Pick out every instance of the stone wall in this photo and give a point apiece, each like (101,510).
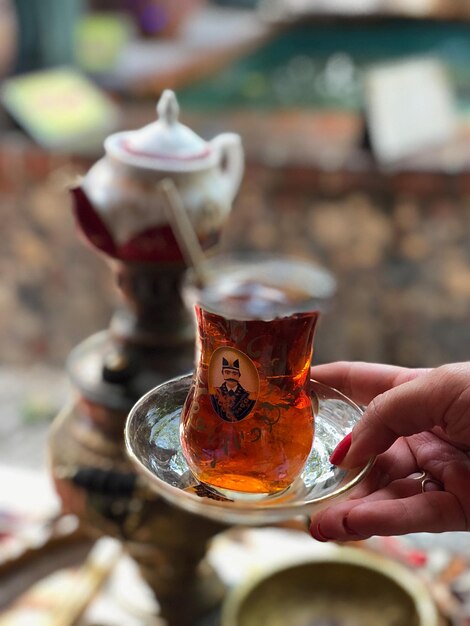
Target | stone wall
(399,246)
(53,291)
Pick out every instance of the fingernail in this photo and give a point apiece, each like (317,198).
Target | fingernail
(317,534)
(341,450)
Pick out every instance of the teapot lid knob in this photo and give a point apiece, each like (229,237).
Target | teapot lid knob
(165,145)
(168,108)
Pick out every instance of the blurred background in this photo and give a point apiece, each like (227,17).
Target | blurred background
(339,169)
(290,80)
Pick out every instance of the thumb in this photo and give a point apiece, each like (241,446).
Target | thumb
(440,397)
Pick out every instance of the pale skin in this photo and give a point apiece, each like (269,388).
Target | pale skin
(416,420)
(231,377)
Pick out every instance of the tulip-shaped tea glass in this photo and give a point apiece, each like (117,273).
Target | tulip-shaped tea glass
(247,425)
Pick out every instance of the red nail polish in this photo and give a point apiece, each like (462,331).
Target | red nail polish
(341,450)
(318,535)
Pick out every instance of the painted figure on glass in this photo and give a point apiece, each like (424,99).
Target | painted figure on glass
(230,400)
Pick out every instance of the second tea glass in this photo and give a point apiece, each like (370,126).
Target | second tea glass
(247,426)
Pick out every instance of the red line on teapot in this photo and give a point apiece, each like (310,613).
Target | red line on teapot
(201,155)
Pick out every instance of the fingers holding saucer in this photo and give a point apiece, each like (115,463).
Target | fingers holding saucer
(433,511)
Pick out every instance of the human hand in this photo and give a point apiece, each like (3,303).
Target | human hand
(416,421)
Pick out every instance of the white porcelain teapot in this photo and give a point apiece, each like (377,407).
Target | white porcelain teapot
(119,207)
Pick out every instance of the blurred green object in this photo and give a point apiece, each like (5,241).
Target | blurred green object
(47,32)
(38,408)
(100,39)
(321,65)
(61,109)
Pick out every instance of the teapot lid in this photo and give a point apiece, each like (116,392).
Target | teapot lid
(165,144)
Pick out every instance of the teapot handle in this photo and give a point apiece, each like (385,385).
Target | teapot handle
(232,160)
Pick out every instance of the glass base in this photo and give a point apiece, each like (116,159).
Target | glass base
(153,445)
(230,494)
(245,496)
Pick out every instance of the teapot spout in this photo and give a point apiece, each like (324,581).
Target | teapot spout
(90,224)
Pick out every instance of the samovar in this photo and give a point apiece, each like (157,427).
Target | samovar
(120,212)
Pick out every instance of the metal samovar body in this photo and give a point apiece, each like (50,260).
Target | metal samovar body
(150,340)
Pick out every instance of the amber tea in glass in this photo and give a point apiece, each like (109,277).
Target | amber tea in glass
(247,425)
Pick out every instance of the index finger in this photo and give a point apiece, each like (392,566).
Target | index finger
(439,398)
(363,381)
